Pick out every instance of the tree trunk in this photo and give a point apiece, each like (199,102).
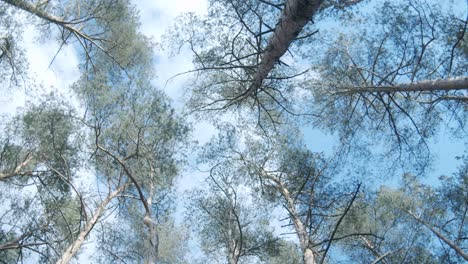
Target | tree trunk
(32,9)
(309,256)
(299,227)
(441,236)
(153,240)
(17,171)
(232,259)
(459,83)
(295,15)
(71,251)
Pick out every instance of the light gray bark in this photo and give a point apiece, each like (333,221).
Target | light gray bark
(36,11)
(71,251)
(441,236)
(17,170)
(299,227)
(153,240)
(458,83)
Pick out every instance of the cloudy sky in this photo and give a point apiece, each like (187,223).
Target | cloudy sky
(156,19)
(44,77)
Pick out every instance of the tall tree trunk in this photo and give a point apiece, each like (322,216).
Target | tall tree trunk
(309,256)
(151,256)
(232,259)
(299,227)
(459,83)
(233,249)
(295,15)
(153,240)
(71,251)
(450,243)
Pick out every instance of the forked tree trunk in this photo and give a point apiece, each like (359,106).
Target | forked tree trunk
(71,251)
(299,227)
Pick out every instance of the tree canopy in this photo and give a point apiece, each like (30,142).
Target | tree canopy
(98,171)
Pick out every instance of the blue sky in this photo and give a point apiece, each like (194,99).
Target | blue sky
(156,18)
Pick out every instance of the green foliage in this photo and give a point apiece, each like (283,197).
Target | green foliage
(129,135)
(285,252)
(416,41)
(226,219)
(12,58)
(386,226)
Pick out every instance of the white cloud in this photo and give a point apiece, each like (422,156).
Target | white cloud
(64,68)
(156,16)
(40,77)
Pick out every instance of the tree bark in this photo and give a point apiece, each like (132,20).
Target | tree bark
(71,251)
(309,256)
(458,83)
(153,240)
(299,227)
(32,9)
(295,15)
(17,171)
(441,236)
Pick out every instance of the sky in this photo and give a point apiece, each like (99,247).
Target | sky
(156,19)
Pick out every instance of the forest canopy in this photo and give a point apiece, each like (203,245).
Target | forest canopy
(110,169)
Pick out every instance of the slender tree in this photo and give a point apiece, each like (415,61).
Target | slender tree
(227,222)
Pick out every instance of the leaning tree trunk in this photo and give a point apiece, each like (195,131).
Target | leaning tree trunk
(71,251)
(34,10)
(17,170)
(458,83)
(295,15)
(439,235)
